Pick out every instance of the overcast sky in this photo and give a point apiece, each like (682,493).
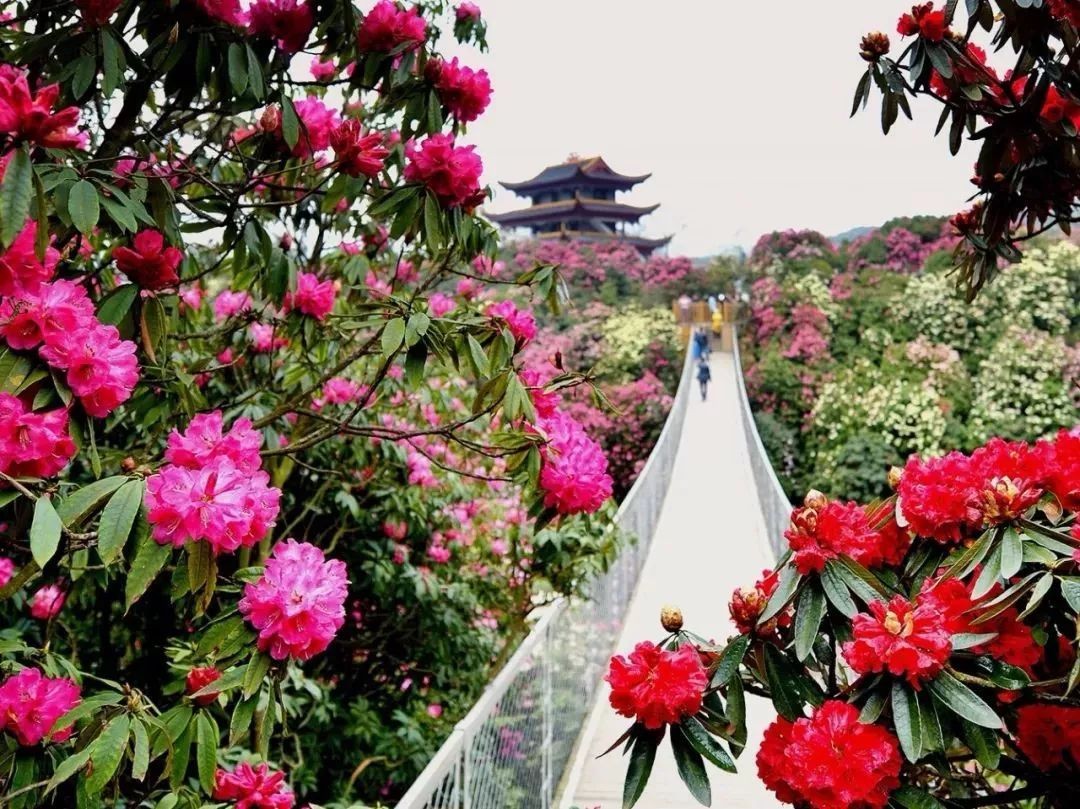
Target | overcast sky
(739,108)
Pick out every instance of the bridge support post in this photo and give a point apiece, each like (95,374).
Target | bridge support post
(547,723)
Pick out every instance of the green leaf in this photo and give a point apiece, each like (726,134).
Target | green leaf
(79,504)
(982,742)
(962,701)
(837,592)
(808,615)
(140,759)
(785,691)
(785,591)
(705,744)
(730,660)
(15,194)
(933,735)
(200,559)
(150,558)
(290,123)
(181,755)
(910,797)
(206,742)
(691,767)
(67,768)
(85,70)
(433,229)
(1070,591)
(106,752)
(642,756)
(906,719)
(241,718)
(256,672)
(45,531)
(1012,554)
(393,335)
(415,360)
(989,575)
(117,304)
(238,70)
(117,518)
(83,206)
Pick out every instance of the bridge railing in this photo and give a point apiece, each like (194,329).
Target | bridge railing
(510,750)
(774,502)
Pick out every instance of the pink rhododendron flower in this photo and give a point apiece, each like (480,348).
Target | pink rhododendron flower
(440,304)
(149,262)
(339,390)
(28,116)
(229,304)
(7,570)
(47,602)
(30,704)
(20,269)
(101,368)
(312,296)
(323,69)
(264,338)
(573,473)
(32,444)
(287,22)
(467,11)
(462,90)
(419,469)
(521,324)
(434,710)
(257,787)
(298,605)
(225,11)
(387,26)
(450,172)
(317,121)
(191,296)
(358,154)
(204,442)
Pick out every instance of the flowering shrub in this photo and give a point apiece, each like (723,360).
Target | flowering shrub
(275,492)
(921,651)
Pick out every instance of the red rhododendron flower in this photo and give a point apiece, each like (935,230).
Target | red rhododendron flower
(923,21)
(257,787)
(470,11)
(387,26)
(1049,735)
(149,262)
(904,639)
(820,533)
(1057,108)
(573,471)
(97,12)
(358,154)
(655,686)
(747,604)
(225,11)
(830,760)
(287,22)
(20,270)
(1066,10)
(462,90)
(940,498)
(311,296)
(298,605)
(29,116)
(1012,477)
(1061,462)
(30,704)
(35,445)
(451,172)
(964,74)
(197,679)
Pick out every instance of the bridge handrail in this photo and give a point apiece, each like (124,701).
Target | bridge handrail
(774,502)
(513,745)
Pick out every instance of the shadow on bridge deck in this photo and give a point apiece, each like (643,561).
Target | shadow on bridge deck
(711,538)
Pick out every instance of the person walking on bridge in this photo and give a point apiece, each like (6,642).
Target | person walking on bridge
(704,376)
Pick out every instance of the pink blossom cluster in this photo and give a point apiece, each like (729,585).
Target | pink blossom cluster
(317,122)
(521,324)
(339,390)
(29,116)
(450,172)
(34,445)
(574,472)
(230,304)
(419,470)
(47,602)
(265,339)
(765,294)
(462,90)
(7,570)
(212,487)
(467,11)
(253,787)
(297,606)
(440,305)
(782,243)
(359,153)
(388,26)
(808,341)
(590,263)
(312,296)
(58,318)
(287,22)
(30,704)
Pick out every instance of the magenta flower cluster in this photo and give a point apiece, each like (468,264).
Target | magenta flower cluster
(30,704)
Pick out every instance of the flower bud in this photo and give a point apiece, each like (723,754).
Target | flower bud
(815,500)
(873,46)
(197,679)
(270,121)
(671,618)
(895,473)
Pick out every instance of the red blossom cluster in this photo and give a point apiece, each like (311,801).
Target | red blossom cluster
(748,603)
(462,90)
(924,21)
(149,262)
(825,529)
(657,686)
(450,172)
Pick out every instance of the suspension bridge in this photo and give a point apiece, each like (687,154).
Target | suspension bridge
(708,514)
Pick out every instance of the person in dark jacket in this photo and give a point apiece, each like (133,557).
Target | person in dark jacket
(704,376)
(701,343)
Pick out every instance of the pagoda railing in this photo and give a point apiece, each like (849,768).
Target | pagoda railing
(773,500)
(510,750)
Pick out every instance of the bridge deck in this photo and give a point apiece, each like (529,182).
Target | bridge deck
(710,539)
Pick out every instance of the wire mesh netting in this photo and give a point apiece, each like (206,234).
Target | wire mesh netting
(512,747)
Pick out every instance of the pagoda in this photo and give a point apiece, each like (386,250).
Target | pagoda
(576,200)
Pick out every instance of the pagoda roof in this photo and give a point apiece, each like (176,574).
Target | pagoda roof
(592,169)
(640,242)
(548,211)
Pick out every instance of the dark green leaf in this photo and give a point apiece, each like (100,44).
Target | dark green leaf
(910,797)
(691,767)
(1012,554)
(67,768)
(206,742)
(642,756)
(705,744)
(150,557)
(290,123)
(907,720)
(962,701)
(117,518)
(117,304)
(15,193)
(393,335)
(256,672)
(238,71)
(982,742)
(140,759)
(837,592)
(808,615)
(45,531)
(785,591)
(783,687)
(106,752)
(730,659)
(83,206)
(79,504)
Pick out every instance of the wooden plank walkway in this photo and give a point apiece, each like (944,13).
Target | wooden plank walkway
(710,540)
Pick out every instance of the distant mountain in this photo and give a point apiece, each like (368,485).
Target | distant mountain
(850,235)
